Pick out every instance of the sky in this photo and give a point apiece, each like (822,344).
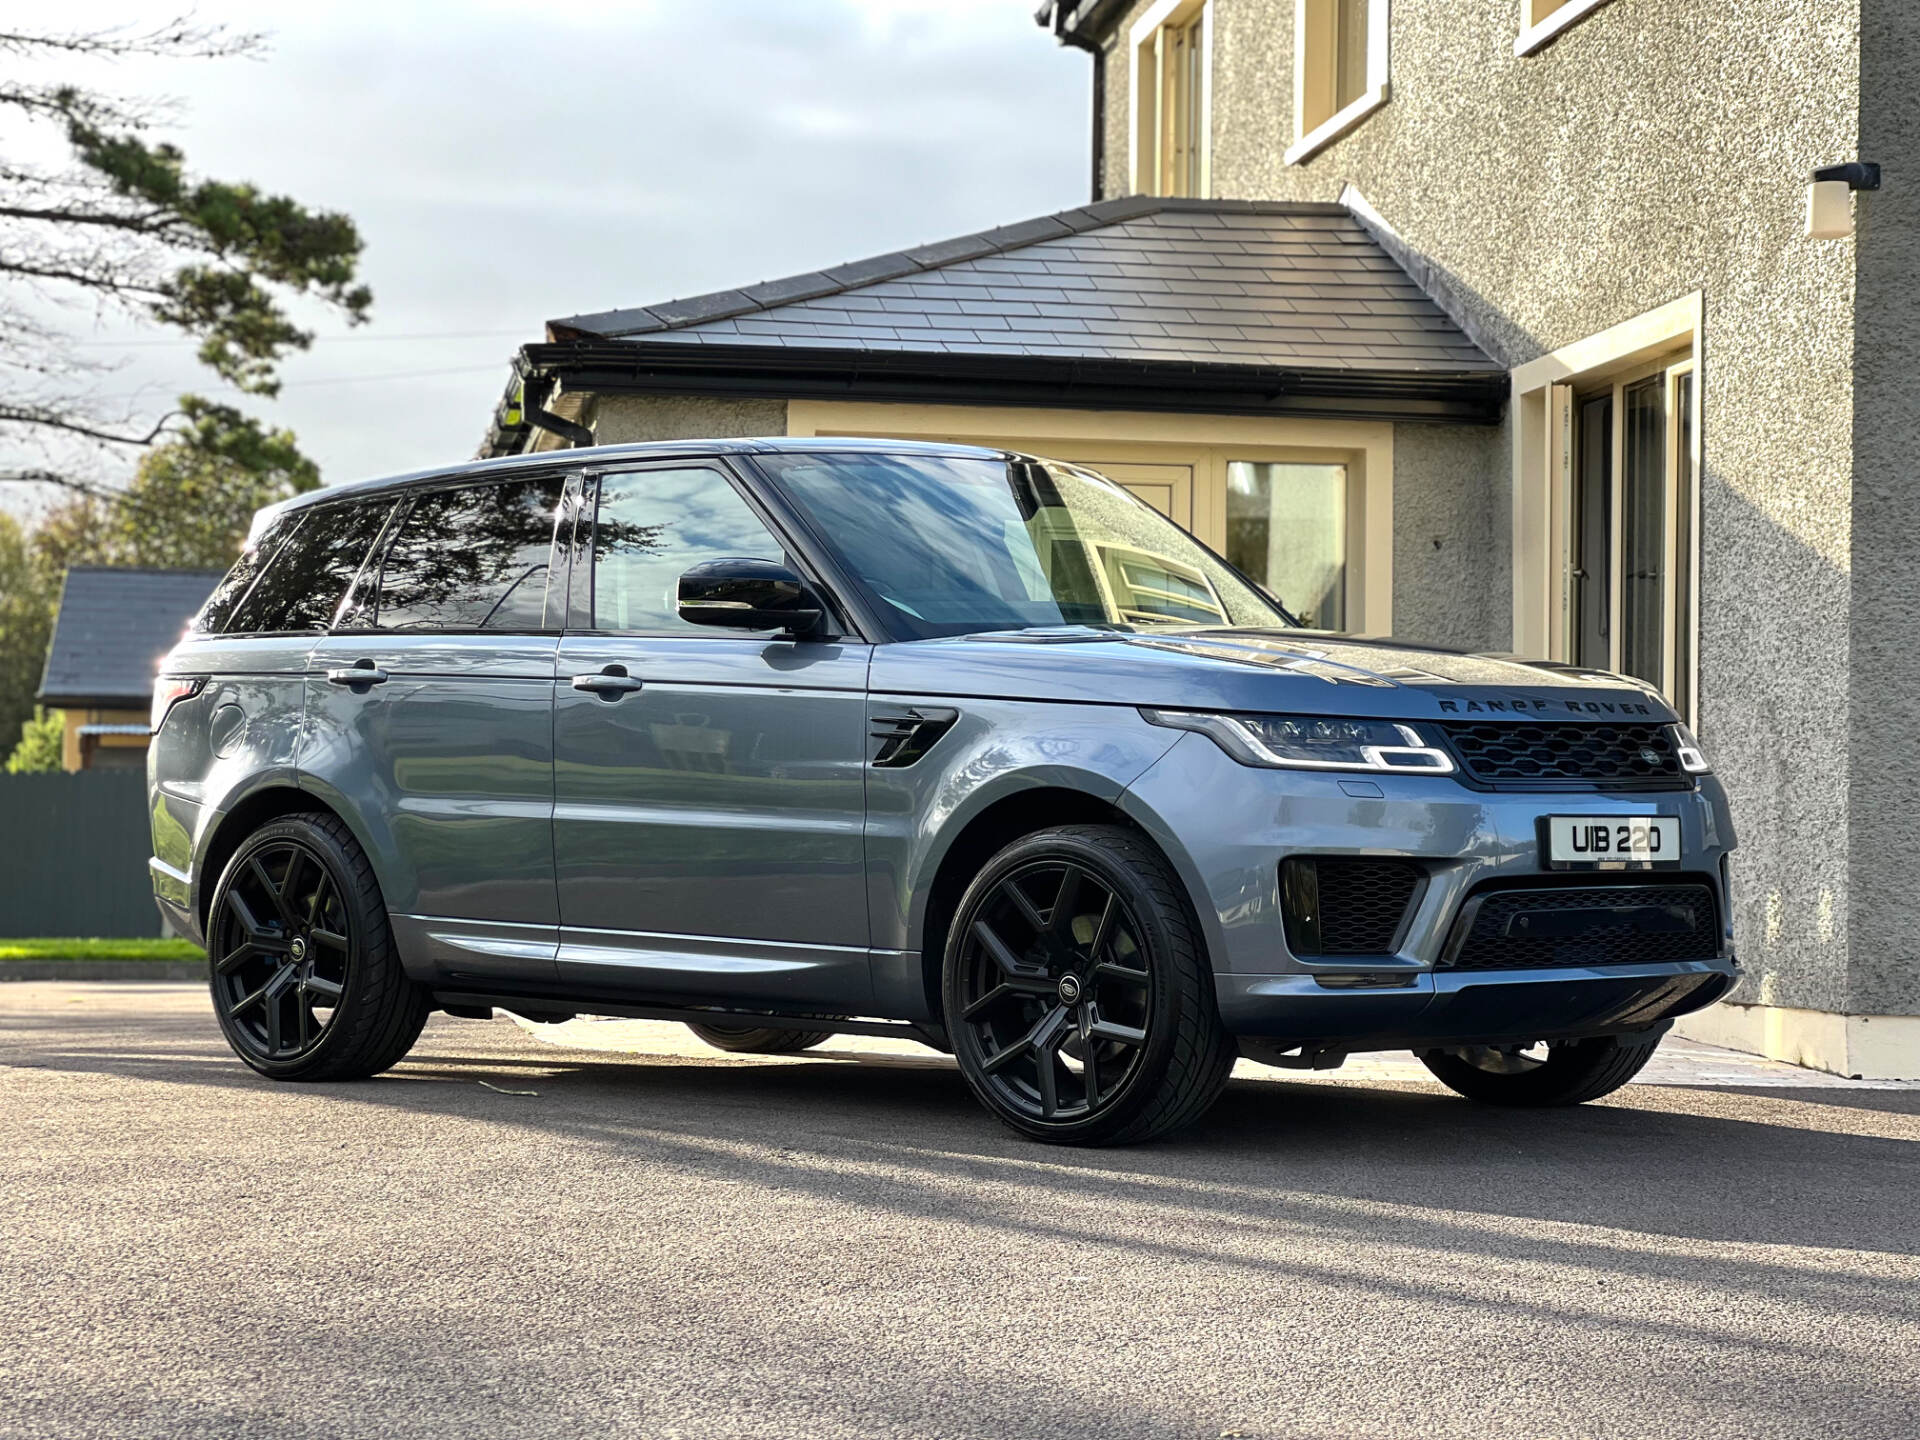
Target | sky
(511,163)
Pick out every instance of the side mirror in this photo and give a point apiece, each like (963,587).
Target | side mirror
(749,595)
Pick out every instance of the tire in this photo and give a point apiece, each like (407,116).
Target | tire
(1573,1071)
(306,982)
(746,1040)
(1096,1025)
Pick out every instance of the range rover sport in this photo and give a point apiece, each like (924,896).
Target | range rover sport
(787,738)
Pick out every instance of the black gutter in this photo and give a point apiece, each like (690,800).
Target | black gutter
(1070,382)
(1070,27)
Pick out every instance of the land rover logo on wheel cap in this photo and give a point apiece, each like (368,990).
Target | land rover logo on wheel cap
(298,949)
(1069,989)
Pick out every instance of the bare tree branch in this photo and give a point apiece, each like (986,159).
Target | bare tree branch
(41,415)
(178,38)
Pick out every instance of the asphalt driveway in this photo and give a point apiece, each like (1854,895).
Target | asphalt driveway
(674,1243)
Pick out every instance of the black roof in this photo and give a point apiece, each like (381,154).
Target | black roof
(113,628)
(1280,283)
(1230,305)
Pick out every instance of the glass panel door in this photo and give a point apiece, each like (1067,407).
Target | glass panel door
(1287,529)
(1592,539)
(1681,690)
(1643,533)
(1632,529)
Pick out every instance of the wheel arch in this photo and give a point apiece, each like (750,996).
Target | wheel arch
(990,829)
(269,803)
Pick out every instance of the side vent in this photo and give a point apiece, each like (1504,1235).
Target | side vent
(906,735)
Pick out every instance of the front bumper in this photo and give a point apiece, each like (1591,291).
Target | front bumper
(1490,1007)
(1227,828)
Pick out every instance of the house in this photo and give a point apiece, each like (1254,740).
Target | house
(1574,328)
(113,628)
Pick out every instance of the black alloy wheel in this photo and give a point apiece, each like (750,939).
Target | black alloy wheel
(1077,997)
(306,983)
(1559,1072)
(285,944)
(759,1039)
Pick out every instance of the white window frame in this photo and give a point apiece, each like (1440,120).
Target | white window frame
(1141,37)
(1663,341)
(1535,33)
(1307,15)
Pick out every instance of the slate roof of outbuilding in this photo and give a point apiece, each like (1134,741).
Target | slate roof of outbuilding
(113,628)
(1244,283)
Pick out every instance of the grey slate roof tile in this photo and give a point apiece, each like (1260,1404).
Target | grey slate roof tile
(1245,282)
(113,628)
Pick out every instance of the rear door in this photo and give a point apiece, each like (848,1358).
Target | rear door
(430,711)
(709,783)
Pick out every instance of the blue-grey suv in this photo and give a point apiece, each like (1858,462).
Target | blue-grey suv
(787,738)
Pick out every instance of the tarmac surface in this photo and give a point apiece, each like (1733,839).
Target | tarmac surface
(605,1229)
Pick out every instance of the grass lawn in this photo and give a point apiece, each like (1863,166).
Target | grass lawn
(56,948)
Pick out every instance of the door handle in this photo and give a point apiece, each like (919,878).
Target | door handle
(362,672)
(609,684)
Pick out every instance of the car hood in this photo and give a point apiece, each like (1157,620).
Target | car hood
(1275,671)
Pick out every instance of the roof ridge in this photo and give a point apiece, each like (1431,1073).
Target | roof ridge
(935,255)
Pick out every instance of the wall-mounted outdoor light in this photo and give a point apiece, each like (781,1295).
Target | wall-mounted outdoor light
(1830,197)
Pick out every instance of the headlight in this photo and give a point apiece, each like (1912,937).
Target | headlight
(1313,742)
(1693,759)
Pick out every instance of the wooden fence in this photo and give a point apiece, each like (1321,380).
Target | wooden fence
(73,855)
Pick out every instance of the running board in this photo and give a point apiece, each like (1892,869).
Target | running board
(544,1007)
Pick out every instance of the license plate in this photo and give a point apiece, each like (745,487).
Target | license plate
(1624,841)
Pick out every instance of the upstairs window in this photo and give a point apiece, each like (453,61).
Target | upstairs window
(1171,99)
(1541,20)
(1340,70)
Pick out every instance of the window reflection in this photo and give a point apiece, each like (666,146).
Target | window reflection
(1287,528)
(473,558)
(651,527)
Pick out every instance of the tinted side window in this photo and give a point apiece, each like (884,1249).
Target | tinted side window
(304,582)
(216,615)
(653,524)
(476,558)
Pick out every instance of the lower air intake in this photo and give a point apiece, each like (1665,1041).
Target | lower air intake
(1343,905)
(1592,925)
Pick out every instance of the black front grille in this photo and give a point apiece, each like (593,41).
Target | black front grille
(1502,753)
(1343,905)
(1585,925)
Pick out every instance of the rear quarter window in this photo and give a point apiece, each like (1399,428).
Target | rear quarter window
(216,616)
(304,581)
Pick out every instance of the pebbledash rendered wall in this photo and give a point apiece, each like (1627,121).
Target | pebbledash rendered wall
(1883,922)
(1649,152)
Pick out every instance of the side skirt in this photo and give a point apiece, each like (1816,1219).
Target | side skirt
(545,1008)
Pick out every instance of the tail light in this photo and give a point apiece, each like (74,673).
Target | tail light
(169,691)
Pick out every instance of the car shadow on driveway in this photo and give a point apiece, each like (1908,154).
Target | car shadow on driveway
(1799,1166)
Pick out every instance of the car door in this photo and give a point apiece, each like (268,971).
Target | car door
(430,713)
(709,784)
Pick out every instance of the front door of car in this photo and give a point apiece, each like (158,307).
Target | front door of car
(709,792)
(429,713)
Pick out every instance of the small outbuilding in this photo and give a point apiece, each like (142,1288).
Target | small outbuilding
(113,628)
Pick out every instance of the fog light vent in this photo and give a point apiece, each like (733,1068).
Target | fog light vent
(1346,905)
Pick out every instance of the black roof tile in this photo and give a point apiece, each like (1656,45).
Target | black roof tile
(1268,283)
(113,628)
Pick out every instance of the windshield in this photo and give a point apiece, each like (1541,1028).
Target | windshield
(951,545)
